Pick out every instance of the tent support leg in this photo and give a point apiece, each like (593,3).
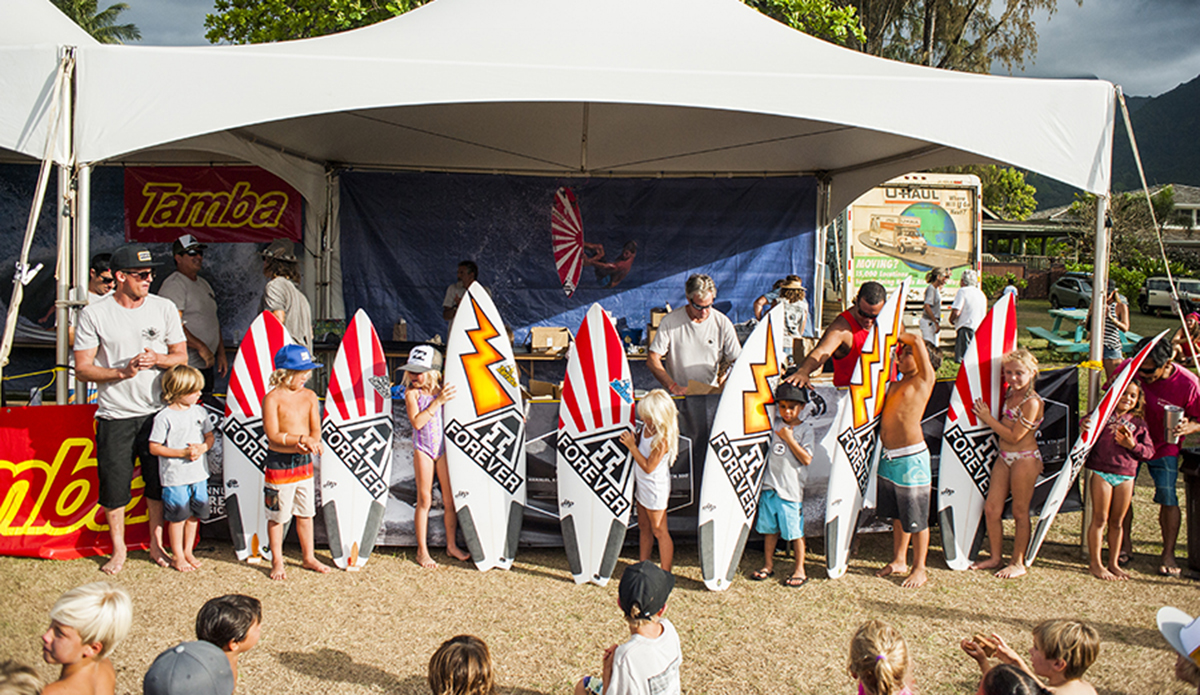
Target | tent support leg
(1096,349)
(83,232)
(62,279)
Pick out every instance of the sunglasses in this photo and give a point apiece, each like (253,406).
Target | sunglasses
(142,275)
(865,315)
(194,252)
(106,280)
(700,307)
(1148,370)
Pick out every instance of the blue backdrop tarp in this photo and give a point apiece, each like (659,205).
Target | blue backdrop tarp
(403,235)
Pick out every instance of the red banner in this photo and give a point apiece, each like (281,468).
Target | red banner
(48,487)
(213,204)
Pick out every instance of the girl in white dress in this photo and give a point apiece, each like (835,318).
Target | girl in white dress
(654,451)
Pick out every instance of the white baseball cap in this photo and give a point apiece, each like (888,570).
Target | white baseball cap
(423,358)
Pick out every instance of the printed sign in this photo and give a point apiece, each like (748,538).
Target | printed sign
(213,204)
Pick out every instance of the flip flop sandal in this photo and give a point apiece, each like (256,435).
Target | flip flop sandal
(1164,571)
(1123,559)
(795,582)
(762,574)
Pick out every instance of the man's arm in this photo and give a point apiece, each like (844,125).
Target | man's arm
(198,345)
(837,335)
(87,369)
(759,305)
(654,362)
(925,373)
(176,354)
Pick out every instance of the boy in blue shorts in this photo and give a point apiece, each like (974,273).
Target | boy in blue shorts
(781,506)
(904,473)
(180,438)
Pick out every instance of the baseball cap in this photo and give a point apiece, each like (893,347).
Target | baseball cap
(191,668)
(1181,631)
(647,585)
(423,358)
(186,243)
(294,357)
(281,250)
(132,256)
(790,392)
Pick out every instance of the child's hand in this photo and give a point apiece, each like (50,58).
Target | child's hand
(976,652)
(1122,436)
(982,411)
(629,440)
(1004,652)
(195,451)
(303,443)
(785,433)
(446,394)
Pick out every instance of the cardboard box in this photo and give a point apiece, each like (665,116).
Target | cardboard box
(549,340)
(545,389)
(400,331)
(656,317)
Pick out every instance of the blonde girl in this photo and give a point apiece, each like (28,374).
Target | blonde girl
(879,660)
(462,666)
(654,452)
(424,397)
(1120,447)
(1018,464)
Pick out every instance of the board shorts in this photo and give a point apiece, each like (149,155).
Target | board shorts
(1111,353)
(904,488)
(593,685)
(779,516)
(182,502)
(118,444)
(1113,479)
(1165,472)
(289,500)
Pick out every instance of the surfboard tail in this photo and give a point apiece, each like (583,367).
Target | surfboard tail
(571,546)
(466,522)
(1039,535)
(738,549)
(371,532)
(833,567)
(334,532)
(237,532)
(612,551)
(954,559)
(707,560)
(516,516)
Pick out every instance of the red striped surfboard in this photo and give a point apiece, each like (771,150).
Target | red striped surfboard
(245,445)
(566,234)
(968,445)
(1096,421)
(595,474)
(356,465)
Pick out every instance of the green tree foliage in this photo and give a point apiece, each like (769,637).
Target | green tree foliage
(1005,191)
(824,19)
(101,24)
(993,285)
(264,21)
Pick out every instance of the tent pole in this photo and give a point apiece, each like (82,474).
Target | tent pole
(819,244)
(83,224)
(1096,349)
(66,216)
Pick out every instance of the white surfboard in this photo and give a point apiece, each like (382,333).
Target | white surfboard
(485,432)
(245,444)
(356,465)
(737,452)
(1096,421)
(968,445)
(595,471)
(855,437)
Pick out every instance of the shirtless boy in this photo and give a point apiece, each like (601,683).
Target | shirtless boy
(85,624)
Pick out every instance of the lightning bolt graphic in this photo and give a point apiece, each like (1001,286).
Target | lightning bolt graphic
(872,366)
(486,390)
(754,403)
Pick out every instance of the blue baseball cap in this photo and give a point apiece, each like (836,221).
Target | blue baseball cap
(295,358)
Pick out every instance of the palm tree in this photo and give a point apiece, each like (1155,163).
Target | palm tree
(102,25)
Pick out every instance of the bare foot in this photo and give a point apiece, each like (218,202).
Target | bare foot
(191,560)
(183,565)
(1102,573)
(278,572)
(114,564)
(460,555)
(1011,572)
(916,580)
(315,565)
(425,561)
(989,564)
(161,559)
(892,568)
(1121,574)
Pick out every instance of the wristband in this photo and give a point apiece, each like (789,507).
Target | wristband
(285,436)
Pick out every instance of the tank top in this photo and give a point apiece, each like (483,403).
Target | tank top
(843,369)
(1112,333)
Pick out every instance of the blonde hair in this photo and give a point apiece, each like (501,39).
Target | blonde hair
(179,381)
(434,375)
(657,408)
(19,679)
(462,666)
(283,377)
(100,612)
(1075,642)
(879,658)
(1022,357)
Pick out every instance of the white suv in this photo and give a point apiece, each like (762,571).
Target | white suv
(1155,294)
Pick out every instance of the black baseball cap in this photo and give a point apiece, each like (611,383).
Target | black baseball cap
(647,585)
(132,256)
(790,392)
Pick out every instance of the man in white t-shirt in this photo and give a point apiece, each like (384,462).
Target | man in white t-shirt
(467,274)
(967,312)
(648,662)
(692,341)
(197,305)
(122,343)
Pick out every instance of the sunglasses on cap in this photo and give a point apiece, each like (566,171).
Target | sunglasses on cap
(142,275)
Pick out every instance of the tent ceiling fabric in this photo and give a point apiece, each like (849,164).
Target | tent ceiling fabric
(671,86)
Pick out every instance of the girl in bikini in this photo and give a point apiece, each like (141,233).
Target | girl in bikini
(1018,464)
(424,397)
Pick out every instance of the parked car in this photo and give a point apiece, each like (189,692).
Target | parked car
(1073,290)
(1155,294)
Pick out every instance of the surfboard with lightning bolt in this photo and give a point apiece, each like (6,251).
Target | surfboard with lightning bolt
(485,432)
(595,471)
(737,452)
(854,437)
(356,466)
(968,445)
(245,444)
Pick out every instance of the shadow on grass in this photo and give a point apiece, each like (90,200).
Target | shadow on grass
(337,666)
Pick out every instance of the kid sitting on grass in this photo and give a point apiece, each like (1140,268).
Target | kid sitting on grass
(781,506)
(85,624)
(292,424)
(879,660)
(1062,652)
(180,437)
(462,666)
(232,622)
(649,661)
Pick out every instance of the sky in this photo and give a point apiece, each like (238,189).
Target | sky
(1146,46)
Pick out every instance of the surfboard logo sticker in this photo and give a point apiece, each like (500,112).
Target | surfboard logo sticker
(601,461)
(744,462)
(506,372)
(976,450)
(382,386)
(859,445)
(248,438)
(364,447)
(755,402)
(486,392)
(493,444)
(566,235)
(623,388)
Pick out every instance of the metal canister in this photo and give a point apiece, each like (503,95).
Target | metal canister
(1172,416)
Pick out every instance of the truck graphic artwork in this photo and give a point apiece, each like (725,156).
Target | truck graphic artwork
(900,232)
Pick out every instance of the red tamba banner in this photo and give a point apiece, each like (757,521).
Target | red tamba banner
(48,488)
(213,204)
